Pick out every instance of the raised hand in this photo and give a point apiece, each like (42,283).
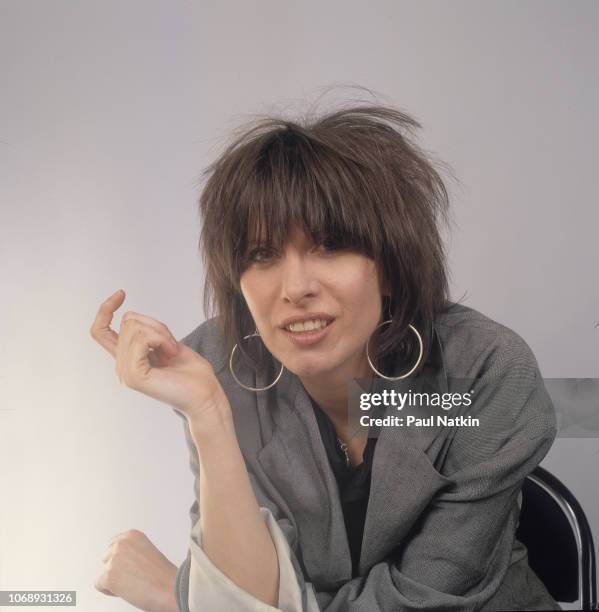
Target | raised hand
(150,360)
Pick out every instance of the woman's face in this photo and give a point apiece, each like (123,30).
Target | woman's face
(314,309)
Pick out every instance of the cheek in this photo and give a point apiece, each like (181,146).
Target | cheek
(257,291)
(361,291)
(249,295)
(361,304)
(367,311)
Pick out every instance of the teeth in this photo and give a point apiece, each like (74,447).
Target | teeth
(301,326)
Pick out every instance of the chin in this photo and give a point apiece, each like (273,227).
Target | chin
(308,368)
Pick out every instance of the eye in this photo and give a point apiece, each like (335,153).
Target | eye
(329,244)
(260,255)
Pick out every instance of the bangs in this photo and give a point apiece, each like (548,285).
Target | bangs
(295,182)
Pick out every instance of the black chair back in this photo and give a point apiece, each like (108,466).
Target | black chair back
(556,532)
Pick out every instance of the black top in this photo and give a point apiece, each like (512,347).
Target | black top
(353,483)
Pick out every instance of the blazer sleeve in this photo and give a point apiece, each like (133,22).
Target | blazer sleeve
(200,585)
(458,554)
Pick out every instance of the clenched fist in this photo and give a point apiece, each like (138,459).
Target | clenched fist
(136,571)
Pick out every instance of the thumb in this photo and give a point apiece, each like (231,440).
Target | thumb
(162,355)
(100,585)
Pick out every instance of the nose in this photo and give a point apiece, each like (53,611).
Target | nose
(298,280)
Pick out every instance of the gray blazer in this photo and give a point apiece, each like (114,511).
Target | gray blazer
(448,503)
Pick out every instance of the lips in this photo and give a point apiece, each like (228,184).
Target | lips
(297,328)
(307,321)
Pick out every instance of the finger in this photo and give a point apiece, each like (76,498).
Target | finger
(117,536)
(109,552)
(147,342)
(159,326)
(101,585)
(100,329)
(130,533)
(137,341)
(156,358)
(123,535)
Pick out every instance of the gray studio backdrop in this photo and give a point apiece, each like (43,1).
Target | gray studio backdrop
(108,112)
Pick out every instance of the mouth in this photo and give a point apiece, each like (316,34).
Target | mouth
(307,330)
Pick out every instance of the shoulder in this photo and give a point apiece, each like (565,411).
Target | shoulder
(208,340)
(474,344)
(508,394)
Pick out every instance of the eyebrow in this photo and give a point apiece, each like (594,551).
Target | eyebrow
(256,242)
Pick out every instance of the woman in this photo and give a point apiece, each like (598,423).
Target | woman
(324,264)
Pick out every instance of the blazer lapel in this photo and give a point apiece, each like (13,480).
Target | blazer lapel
(403,481)
(296,463)
(403,477)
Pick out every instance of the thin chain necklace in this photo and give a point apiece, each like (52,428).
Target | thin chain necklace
(343,447)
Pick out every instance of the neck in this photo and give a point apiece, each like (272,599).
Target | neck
(329,390)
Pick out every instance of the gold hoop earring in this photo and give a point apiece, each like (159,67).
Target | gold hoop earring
(413,367)
(272,384)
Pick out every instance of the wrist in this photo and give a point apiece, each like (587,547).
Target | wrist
(217,446)
(167,597)
(211,416)
(169,603)
(217,434)
(212,427)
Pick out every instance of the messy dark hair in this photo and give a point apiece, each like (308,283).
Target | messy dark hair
(353,178)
